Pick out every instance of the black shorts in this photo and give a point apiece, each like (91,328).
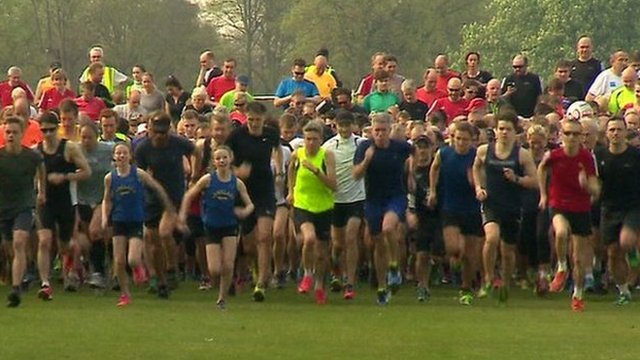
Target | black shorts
(579,222)
(215,235)
(22,221)
(196,227)
(342,212)
(264,207)
(508,222)
(596,214)
(85,212)
(60,216)
(428,232)
(128,229)
(321,222)
(612,221)
(468,223)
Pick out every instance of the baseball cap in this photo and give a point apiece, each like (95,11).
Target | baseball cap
(243,79)
(422,140)
(142,128)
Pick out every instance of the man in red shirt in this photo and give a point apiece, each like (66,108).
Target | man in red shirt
(366,84)
(88,103)
(54,96)
(13,81)
(444,73)
(454,104)
(429,93)
(573,183)
(226,82)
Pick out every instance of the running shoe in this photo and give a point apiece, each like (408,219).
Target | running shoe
(13,300)
(205,284)
(172,279)
(559,281)
(383,296)
(306,284)
(45,293)
(423,294)
(96,281)
(503,293)
(258,293)
(394,280)
(71,282)
(153,285)
(466,298)
(496,288)
(124,300)
(349,292)
(163,292)
(336,284)
(623,299)
(281,280)
(577,305)
(140,275)
(589,285)
(221,305)
(321,296)
(484,291)
(542,286)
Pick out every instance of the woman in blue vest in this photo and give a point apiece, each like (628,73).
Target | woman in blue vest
(123,207)
(220,191)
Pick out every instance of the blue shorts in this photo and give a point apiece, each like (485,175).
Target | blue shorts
(374,211)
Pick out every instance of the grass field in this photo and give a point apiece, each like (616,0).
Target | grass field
(87,325)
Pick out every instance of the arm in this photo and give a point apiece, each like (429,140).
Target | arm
(529,180)
(106,201)
(281,101)
(292,172)
(542,180)
(191,194)
(248,204)
(478,173)
(41,184)
(434,177)
(159,190)
(329,179)
(360,169)
(75,156)
(196,161)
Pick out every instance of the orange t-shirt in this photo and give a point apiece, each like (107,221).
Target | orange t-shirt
(32,135)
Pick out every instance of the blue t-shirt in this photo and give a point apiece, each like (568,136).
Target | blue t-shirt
(456,192)
(289,86)
(385,175)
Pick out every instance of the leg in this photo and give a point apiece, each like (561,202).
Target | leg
(19,265)
(119,262)
(214,260)
(264,237)
(351,247)
(309,240)
(490,251)
(280,231)
(45,238)
(229,247)
(392,237)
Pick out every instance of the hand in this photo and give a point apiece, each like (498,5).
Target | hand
(243,171)
(241,212)
(481,194)
(40,199)
(510,90)
(182,223)
(56,178)
(105,224)
(290,199)
(542,205)
(582,178)
(309,166)
(432,200)
(368,155)
(509,174)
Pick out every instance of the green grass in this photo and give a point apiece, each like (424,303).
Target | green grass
(86,325)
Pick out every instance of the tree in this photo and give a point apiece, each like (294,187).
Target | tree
(546,31)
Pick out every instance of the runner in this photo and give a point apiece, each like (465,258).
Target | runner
(381,161)
(349,201)
(312,181)
(501,171)
(123,207)
(64,163)
(573,183)
(220,190)
(22,175)
(253,146)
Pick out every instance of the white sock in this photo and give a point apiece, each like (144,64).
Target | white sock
(577,292)
(624,288)
(562,265)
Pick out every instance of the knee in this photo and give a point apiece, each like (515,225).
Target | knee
(227,268)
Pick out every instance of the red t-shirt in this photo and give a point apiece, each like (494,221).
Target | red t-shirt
(428,97)
(6,89)
(52,98)
(32,135)
(452,109)
(565,192)
(365,86)
(238,116)
(92,107)
(443,81)
(219,86)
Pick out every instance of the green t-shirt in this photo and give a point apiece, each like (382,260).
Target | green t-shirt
(379,102)
(621,97)
(229,97)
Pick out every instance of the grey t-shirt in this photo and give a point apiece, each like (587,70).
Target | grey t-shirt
(91,191)
(152,102)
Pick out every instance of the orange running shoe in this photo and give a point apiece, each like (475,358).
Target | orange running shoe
(559,281)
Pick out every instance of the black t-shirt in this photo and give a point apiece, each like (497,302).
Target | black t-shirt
(528,88)
(585,72)
(385,176)
(206,109)
(619,174)
(214,72)
(166,163)
(573,90)
(176,107)
(483,77)
(417,110)
(256,150)
(103,93)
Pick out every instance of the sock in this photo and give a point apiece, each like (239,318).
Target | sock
(97,256)
(562,265)
(589,276)
(16,289)
(577,293)
(393,265)
(624,288)
(45,283)
(308,272)
(67,261)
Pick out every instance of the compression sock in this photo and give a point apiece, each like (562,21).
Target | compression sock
(97,255)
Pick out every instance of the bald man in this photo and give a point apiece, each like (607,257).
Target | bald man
(522,87)
(14,80)
(429,93)
(453,104)
(319,74)
(441,65)
(495,100)
(609,80)
(208,69)
(585,68)
(625,94)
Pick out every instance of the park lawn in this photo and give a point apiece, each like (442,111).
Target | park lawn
(87,325)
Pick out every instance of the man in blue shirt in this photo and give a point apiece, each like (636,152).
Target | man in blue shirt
(288,86)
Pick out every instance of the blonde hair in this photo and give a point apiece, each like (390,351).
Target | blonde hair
(537,129)
(199,91)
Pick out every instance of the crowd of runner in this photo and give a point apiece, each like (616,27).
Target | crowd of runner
(457,178)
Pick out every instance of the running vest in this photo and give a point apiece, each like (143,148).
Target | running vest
(457,194)
(502,194)
(56,163)
(127,197)
(218,201)
(310,193)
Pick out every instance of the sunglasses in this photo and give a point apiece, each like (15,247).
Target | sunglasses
(299,73)
(240,104)
(48,130)
(343,102)
(454,90)
(518,66)
(572,133)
